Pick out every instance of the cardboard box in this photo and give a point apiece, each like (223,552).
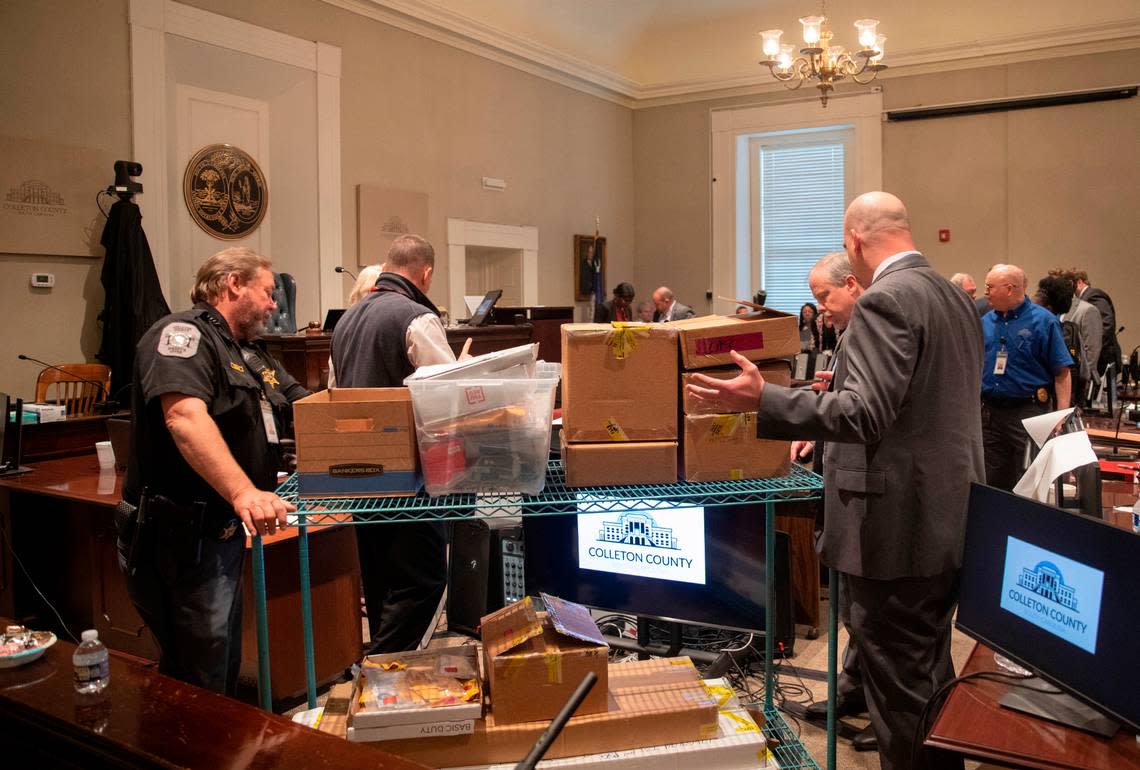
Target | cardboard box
(621,462)
(764,334)
(378,724)
(777,372)
(738,745)
(532,669)
(354,442)
(619,382)
(719,447)
(651,703)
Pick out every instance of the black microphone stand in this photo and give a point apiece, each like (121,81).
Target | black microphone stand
(343,269)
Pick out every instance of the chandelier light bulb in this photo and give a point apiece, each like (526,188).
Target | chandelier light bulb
(771,39)
(787,53)
(867,32)
(812,26)
(880,41)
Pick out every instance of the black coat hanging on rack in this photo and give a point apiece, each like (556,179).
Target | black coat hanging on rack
(134,299)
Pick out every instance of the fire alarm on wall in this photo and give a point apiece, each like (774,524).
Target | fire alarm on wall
(944,235)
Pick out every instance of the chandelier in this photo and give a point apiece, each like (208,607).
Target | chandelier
(821,61)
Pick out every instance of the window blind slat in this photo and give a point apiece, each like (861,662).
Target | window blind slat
(801,208)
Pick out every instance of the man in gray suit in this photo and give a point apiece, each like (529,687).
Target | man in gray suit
(904,441)
(668,308)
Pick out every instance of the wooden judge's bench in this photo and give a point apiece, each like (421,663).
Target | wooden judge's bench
(305,355)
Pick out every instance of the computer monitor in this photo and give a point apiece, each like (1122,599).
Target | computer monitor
(1056,592)
(703,566)
(332,317)
(479,317)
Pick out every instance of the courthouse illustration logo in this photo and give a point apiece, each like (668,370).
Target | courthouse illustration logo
(637,529)
(1046,594)
(34,197)
(1046,580)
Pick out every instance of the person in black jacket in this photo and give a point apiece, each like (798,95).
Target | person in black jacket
(620,308)
(1098,298)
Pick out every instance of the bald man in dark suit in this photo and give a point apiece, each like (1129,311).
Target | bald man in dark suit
(904,442)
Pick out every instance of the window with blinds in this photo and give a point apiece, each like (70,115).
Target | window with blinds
(802,194)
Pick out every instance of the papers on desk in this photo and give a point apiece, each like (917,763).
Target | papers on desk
(1058,455)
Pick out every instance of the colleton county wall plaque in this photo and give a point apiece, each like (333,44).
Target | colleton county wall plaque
(225,191)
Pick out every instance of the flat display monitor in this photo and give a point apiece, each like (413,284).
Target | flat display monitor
(696,565)
(479,317)
(1056,592)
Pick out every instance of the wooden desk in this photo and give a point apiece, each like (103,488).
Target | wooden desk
(547,322)
(488,339)
(65,438)
(58,519)
(305,356)
(148,720)
(973,724)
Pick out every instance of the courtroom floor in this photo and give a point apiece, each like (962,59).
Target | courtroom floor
(810,654)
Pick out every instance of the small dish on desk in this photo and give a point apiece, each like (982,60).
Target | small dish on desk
(18,645)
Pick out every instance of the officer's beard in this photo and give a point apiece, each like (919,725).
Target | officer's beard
(250,324)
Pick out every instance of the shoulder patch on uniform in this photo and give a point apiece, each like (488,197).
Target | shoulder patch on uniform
(179,340)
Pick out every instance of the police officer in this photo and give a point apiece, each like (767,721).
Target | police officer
(208,408)
(1026,366)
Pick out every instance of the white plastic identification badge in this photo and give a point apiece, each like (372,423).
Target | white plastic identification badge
(270,425)
(999,364)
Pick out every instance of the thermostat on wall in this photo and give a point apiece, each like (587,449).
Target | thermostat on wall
(43,280)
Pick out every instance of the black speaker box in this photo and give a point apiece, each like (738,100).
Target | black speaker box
(485,572)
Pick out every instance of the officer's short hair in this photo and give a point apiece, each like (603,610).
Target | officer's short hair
(625,291)
(410,251)
(212,274)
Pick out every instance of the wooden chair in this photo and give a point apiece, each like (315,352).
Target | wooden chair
(77,386)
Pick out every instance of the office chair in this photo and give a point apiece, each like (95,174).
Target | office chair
(75,385)
(283,320)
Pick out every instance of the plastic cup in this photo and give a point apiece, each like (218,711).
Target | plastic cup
(106,454)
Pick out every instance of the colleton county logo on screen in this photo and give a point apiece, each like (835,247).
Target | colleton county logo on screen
(665,543)
(1052,592)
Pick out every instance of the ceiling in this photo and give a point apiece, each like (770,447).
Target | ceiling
(639,51)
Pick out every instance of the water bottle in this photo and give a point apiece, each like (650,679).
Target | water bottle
(92,670)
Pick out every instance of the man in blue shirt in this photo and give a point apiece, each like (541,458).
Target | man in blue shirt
(1026,366)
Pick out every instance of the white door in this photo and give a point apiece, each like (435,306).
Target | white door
(207,117)
(490,268)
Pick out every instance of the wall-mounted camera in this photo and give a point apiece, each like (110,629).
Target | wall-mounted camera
(124,185)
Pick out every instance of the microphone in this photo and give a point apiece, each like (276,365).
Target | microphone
(343,269)
(96,383)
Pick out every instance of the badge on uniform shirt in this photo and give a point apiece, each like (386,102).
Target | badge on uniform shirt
(269,377)
(1000,362)
(269,422)
(1042,395)
(179,340)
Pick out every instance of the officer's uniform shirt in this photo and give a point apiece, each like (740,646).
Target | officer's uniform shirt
(194,353)
(1031,337)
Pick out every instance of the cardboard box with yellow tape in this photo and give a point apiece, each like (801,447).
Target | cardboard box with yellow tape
(534,660)
(650,703)
(619,382)
(776,372)
(720,447)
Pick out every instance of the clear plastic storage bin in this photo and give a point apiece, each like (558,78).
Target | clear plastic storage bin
(485,435)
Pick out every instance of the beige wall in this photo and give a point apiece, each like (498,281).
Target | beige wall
(70,92)
(415,114)
(1043,187)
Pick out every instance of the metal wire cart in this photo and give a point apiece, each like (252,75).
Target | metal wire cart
(558,499)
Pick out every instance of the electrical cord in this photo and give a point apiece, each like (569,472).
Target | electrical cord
(1014,680)
(11,550)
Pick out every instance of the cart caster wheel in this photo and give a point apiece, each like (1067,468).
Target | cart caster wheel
(812,633)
